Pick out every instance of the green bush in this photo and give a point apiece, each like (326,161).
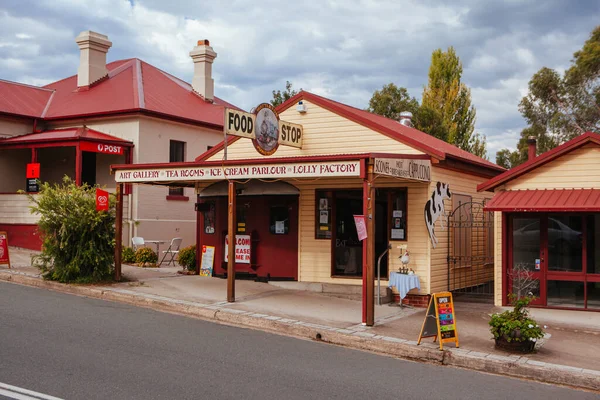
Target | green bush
(78,243)
(128,255)
(516,325)
(145,255)
(187,258)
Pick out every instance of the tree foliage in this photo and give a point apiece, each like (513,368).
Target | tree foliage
(560,107)
(78,243)
(280,97)
(445,111)
(391,100)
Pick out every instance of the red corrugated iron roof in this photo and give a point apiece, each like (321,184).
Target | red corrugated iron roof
(131,86)
(61,135)
(19,99)
(553,200)
(413,137)
(582,140)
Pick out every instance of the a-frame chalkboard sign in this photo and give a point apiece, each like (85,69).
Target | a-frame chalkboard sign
(440,320)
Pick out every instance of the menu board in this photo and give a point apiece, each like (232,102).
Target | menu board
(207,261)
(4,258)
(440,320)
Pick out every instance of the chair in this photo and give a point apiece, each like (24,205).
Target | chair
(172,250)
(137,242)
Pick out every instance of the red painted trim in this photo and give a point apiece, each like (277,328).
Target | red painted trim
(402,156)
(34,155)
(483,172)
(505,248)
(78,164)
(588,137)
(363,168)
(178,198)
(364,251)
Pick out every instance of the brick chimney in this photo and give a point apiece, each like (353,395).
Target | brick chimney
(92,61)
(531,148)
(203,56)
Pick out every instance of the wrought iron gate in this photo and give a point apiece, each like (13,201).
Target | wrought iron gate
(471,250)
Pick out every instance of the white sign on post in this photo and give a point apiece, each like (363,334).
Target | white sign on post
(242,249)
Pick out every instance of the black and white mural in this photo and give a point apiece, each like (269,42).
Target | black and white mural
(434,208)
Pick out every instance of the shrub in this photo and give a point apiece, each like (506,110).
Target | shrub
(145,255)
(187,258)
(78,243)
(128,255)
(516,325)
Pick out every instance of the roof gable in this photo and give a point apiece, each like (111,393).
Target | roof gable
(530,165)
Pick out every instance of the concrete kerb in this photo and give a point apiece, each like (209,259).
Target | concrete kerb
(514,366)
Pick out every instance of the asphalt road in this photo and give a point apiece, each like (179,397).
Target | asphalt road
(77,348)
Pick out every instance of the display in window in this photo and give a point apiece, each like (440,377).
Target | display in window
(279,220)
(398,215)
(209,219)
(323,217)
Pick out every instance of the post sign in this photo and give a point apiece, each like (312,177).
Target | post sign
(101,148)
(4,257)
(361,226)
(101,200)
(242,249)
(407,168)
(440,320)
(207,261)
(33,171)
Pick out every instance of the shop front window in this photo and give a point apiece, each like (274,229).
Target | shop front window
(526,244)
(398,218)
(593,295)
(323,215)
(565,294)
(593,244)
(565,244)
(209,219)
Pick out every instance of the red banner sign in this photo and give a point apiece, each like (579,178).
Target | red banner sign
(4,258)
(101,148)
(33,171)
(101,200)
(361,226)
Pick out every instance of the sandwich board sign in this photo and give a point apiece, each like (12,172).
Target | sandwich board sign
(440,320)
(4,257)
(208,259)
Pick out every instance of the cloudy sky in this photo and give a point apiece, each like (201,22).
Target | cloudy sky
(341,49)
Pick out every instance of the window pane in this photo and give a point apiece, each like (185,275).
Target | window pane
(279,220)
(398,224)
(565,245)
(593,295)
(209,219)
(593,244)
(526,243)
(565,294)
(323,217)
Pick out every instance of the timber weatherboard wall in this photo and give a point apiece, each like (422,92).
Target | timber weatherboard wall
(324,133)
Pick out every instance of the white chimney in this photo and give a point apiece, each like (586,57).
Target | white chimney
(203,56)
(406,118)
(92,61)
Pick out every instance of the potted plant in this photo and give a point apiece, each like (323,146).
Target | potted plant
(187,258)
(515,330)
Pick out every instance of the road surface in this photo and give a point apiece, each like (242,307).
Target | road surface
(55,345)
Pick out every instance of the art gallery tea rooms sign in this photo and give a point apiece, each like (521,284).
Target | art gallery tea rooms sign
(264,127)
(408,168)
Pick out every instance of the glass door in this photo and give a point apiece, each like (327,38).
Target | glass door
(526,263)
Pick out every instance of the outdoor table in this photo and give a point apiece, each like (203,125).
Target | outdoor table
(157,243)
(403,283)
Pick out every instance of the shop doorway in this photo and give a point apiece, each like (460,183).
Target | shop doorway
(347,250)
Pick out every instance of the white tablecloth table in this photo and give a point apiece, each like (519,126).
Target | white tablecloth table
(157,243)
(404,283)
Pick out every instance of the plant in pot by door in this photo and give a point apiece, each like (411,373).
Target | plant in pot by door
(515,330)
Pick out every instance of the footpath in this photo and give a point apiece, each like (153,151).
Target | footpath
(568,355)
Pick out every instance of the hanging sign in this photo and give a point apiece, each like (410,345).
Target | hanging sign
(291,134)
(440,320)
(408,168)
(208,259)
(242,249)
(4,257)
(33,171)
(101,200)
(361,226)
(101,148)
(239,123)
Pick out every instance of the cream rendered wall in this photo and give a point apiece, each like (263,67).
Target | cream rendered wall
(324,133)
(579,169)
(13,164)
(12,127)
(460,183)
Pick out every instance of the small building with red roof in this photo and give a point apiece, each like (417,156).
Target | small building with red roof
(301,209)
(547,226)
(125,111)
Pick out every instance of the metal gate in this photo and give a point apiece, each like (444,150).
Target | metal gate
(471,250)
